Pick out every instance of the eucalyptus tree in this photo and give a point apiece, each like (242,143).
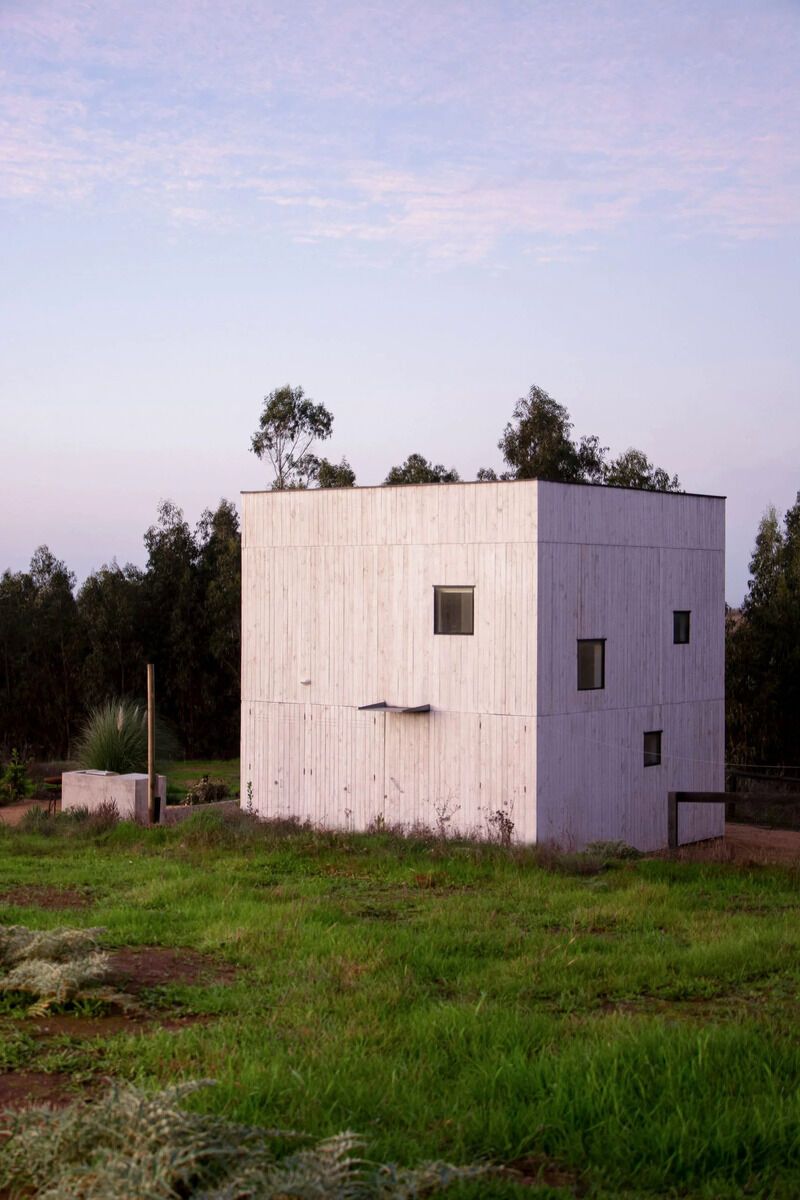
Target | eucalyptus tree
(289,425)
(633,469)
(417,469)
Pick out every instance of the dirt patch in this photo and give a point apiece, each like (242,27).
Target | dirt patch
(746,845)
(771,1003)
(12,814)
(537,1171)
(135,969)
(764,845)
(106,1025)
(35,895)
(24,1088)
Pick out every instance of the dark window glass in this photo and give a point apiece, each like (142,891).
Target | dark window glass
(591,664)
(453,610)
(680,627)
(652,748)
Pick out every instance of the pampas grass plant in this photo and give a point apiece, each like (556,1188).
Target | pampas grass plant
(114,738)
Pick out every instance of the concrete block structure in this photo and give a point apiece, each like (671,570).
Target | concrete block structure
(91,789)
(546,655)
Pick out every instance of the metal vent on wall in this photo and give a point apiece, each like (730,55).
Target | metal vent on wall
(382,706)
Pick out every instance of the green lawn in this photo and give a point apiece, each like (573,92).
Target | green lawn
(636,1028)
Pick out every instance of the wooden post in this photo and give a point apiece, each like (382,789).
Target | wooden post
(153,800)
(672,820)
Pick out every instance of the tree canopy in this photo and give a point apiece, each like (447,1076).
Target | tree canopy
(763,649)
(333,475)
(417,469)
(289,424)
(537,443)
(63,653)
(633,469)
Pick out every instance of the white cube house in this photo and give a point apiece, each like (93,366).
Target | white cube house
(475,656)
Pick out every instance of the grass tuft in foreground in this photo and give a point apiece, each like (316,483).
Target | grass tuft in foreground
(131,1143)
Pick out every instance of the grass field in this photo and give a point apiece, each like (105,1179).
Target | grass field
(626,1031)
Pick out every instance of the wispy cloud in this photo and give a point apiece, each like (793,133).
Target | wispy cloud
(445,132)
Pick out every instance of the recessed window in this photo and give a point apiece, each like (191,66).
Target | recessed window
(591,664)
(680,627)
(652,748)
(454,610)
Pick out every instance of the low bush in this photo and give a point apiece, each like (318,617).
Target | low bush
(15,782)
(207,791)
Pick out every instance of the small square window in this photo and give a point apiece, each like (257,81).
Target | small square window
(591,664)
(652,748)
(680,627)
(454,610)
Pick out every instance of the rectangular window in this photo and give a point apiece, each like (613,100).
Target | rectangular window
(652,748)
(680,627)
(591,664)
(454,610)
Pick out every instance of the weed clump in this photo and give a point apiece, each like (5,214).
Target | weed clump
(613,851)
(73,821)
(131,1143)
(54,966)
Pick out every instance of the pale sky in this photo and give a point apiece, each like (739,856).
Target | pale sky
(413,210)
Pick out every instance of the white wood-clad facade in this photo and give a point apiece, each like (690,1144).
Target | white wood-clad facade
(338,613)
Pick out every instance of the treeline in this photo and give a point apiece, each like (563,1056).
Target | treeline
(763,650)
(537,443)
(64,651)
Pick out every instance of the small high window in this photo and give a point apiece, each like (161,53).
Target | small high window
(591,664)
(454,610)
(652,748)
(680,627)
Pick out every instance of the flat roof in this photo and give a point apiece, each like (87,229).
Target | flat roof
(371,487)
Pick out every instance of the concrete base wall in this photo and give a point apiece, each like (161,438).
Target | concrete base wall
(175,813)
(90,789)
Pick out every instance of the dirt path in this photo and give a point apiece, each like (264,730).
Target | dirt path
(12,814)
(743,844)
(768,845)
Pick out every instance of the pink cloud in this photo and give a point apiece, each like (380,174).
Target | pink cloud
(441,130)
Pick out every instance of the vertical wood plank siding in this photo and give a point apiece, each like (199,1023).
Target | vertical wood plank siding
(615,564)
(338,589)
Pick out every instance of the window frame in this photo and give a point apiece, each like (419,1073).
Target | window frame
(649,759)
(681,612)
(452,587)
(601,685)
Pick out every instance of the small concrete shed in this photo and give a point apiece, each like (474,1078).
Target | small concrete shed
(546,655)
(91,789)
